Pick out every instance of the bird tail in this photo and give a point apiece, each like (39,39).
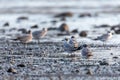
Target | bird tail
(79,48)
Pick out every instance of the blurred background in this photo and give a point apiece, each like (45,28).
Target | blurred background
(56,6)
(80,15)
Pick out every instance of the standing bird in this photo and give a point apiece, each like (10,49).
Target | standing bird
(69,45)
(104,37)
(73,42)
(25,38)
(39,34)
(66,45)
(86,51)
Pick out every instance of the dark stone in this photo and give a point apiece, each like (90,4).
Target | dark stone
(65,14)
(22,18)
(74,31)
(58,48)
(52,28)
(63,34)
(21,65)
(77,71)
(83,34)
(55,61)
(34,26)
(23,30)
(103,63)
(115,27)
(111,53)
(61,59)
(115,57)
(64,27)
(54,21)
(85,15)
(103,26)
(119,70)
(6,24)
(30,48)
(117,31)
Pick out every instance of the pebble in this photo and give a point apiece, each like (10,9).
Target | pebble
(35,26)
(6,24)
(21,65)
(74,31)
(22,18)
(64,27)
(83,34)
(64,14)
(85,15)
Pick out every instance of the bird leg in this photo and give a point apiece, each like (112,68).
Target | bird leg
(25,45)
(104,44)
(38,41)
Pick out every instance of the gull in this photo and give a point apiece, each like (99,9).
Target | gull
(66,44)
(25,38)
(70,45)
(86,51)
(39,34)
(104,37)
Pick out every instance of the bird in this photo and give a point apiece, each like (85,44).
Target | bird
(66,44)
(25,38)
(86,51)
(104,37)
(39,34)
(73,42)
(70,45)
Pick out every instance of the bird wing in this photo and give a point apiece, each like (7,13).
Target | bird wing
(36,34)
(101,37)
(73,43)
(86,51)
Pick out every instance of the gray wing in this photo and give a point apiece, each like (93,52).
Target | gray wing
(103,37)
(86,51)
(36,34)
(73,43)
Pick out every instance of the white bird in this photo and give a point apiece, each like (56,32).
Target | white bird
(104,37)
(66,45)
(39,34)
(86,51)
(70,45)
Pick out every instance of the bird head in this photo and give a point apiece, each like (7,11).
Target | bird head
(72,37)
